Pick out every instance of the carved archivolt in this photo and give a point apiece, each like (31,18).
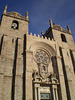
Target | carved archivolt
(44,80)
(43,75)
(42,54)
(43,46)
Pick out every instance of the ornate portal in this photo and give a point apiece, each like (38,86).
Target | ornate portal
(44,82)
(42,58)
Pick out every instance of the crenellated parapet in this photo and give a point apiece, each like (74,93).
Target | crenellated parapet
(40,37)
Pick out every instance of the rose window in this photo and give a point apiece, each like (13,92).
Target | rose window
(41,57)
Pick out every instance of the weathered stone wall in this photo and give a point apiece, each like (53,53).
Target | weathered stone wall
(11,69)
(6,29)
(17,62)
(57,37)
(34,43)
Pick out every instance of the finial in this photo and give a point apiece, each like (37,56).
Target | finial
(38,35)
(27,13)
(42,33)
(51,24)
(68,29)
(5,10)
(27,17)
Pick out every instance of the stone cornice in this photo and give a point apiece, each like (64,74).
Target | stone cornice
(17,17)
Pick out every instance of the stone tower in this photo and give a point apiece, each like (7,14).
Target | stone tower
(34,67)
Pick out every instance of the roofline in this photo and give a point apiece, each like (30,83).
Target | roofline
(16,17)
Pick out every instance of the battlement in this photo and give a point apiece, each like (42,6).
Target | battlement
(40,37)
(33,66)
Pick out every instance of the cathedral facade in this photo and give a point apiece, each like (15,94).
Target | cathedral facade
(34,67)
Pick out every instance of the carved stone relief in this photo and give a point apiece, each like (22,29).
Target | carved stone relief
(43,75)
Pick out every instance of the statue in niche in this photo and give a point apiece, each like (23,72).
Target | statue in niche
(43,70)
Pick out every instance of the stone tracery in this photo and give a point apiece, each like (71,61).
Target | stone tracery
(41,57)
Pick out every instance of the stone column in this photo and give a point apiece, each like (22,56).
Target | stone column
(28,75)
(69,74)
(56,93)
(7,64)
(35,91)
(29,89)
(1,75)
(1,85)
(53,92)
(73,59)
(7,79)
(19,72)
(38,92)
(61,75)
(1,67)
(74,56)
(70,61)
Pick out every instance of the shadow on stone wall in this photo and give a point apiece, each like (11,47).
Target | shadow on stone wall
(14,70)
(1,44)
(24,67)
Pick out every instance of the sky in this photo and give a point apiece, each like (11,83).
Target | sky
(61,12)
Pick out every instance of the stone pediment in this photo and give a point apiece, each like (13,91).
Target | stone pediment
(56,27)
(15,14)
(59,28)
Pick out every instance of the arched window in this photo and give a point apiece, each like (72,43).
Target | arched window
(63,38)
(15,24)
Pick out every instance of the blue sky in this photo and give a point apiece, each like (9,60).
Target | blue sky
(62,12)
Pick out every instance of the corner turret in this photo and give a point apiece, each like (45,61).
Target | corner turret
(5,10)
(68,29)
(27,17)
(51,24)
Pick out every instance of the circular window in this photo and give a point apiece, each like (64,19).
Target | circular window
(41,57)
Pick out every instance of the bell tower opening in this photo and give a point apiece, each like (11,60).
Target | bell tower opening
(15,25)
(63,38)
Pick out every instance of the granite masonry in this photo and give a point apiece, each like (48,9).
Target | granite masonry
(35,67)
